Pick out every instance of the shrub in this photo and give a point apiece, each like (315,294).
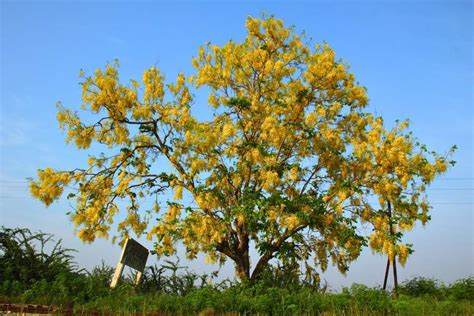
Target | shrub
(420,286)
(462,289)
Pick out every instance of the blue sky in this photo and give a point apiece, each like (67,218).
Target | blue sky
(415,58)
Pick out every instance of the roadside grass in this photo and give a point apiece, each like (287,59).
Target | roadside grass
(86,295)
(28,276)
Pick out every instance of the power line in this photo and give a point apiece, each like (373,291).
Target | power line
(431,203)
(13,181)
(448,178)
(446,189)
(433,189)
(452,203)
(13,197)
(456,178)
(13,187)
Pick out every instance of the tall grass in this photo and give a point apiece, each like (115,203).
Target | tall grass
(172,289)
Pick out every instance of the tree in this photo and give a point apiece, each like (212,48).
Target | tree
(25,259)
(290,161)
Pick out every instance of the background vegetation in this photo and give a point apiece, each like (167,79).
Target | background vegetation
(35,269)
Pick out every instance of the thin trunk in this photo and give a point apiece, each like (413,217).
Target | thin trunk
(386,274)
(395,277)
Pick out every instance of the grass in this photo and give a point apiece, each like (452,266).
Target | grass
(256,299)
(52,279)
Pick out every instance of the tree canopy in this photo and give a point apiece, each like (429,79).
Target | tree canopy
(291,162)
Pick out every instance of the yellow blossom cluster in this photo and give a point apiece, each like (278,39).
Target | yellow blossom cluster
(50,185)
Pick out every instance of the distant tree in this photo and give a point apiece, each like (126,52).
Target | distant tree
(24,256)
(290,161)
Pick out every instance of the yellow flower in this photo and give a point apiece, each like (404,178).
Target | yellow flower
(270,179)
(241,219)
(440,165)
(294,173)
(178,193)
(228,130)
(292,221)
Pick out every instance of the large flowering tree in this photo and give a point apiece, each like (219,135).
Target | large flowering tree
(290,163)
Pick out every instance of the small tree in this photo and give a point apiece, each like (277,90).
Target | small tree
(25,257)
(290,160)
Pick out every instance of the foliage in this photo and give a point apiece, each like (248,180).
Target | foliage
(290,161)
(166,278)
(462,289)
(419,286)
(24,256)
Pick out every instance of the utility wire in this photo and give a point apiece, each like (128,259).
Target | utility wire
(430,189)
(433,203)
(450,178)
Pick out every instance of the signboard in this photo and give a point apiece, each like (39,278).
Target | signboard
(133,255)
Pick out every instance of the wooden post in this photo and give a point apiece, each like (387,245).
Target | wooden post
(119,268)
(117,275)
(138,277)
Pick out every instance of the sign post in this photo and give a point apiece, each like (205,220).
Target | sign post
(133,255)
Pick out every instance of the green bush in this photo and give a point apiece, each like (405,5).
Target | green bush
(420,286)
(372,299)
(462,289)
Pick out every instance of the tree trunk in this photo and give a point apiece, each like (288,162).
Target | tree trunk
(261,265)
(243,271)
(243,262)
(386,274)
(395,277)
(239,254)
